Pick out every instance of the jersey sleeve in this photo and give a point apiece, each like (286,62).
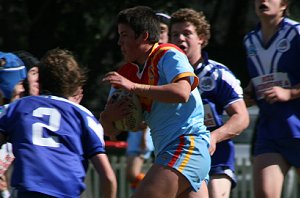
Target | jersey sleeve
(93,137)
(175,66)
(228,89)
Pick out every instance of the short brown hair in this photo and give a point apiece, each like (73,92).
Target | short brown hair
(195,18)
(141,19)
(60,74)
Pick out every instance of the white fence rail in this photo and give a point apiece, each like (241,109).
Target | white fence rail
(243,170)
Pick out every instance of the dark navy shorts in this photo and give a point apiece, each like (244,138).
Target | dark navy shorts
(224,170)
(288,148)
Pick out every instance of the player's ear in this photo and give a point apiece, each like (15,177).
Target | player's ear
(145,36)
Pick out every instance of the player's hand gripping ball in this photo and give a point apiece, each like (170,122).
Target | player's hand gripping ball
(132,121)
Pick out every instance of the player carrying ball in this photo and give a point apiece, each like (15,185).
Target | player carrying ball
(172,108)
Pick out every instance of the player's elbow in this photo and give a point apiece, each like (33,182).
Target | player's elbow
(244,123)
(182,90)
(183,97)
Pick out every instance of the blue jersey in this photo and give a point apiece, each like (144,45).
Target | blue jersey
(219,88)
(52,139)
(276,64)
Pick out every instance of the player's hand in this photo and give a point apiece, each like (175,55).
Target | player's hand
(277,94)
(117,110)
(248,95)
(3,182)
(118,81)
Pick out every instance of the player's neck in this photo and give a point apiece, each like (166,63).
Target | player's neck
(195,60)
(269,28)
(145,51)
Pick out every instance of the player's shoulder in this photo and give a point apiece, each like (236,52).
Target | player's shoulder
(130,71)
(290,23)
(73,104)
(249,35)
(216,64)
(168,46)
(160,50)
(217,71)
(217,67)
(64,103)
(128,68)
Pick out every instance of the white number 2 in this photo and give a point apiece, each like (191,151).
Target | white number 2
(37,128)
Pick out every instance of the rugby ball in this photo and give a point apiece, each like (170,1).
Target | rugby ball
(132,121)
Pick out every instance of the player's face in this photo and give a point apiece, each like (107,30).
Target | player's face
(269,8)
(130,44)
(184,35)
(33,81)
(164,30)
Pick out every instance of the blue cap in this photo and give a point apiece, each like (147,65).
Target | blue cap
(12,71)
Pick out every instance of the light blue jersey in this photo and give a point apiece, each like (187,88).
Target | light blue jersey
(178,132)
(168,121)
(52,139)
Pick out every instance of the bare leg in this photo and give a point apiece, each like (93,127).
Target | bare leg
(134,171)
(269,171)
(201,193)
(134,167)
(162,182)
(219,186)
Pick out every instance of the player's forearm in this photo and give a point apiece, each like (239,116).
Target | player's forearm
(177,92)
(107,176)
(109,188)
(295,92)
(231,128)
(238,122)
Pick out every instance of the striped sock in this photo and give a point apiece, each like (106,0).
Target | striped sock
(136,182)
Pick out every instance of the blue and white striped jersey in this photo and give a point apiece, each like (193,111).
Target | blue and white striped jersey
(276,64)
(219,88)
